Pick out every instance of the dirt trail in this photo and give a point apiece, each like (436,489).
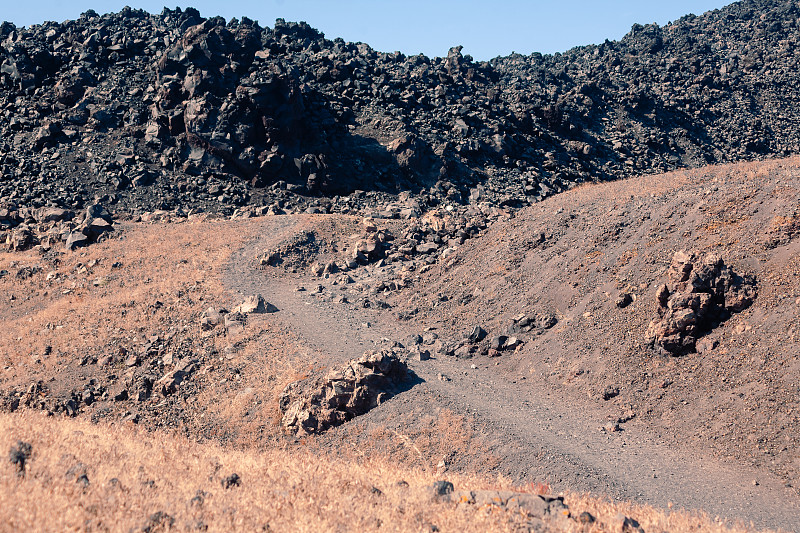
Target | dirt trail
(548,434)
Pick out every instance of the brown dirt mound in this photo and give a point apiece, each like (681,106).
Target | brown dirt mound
(597,257)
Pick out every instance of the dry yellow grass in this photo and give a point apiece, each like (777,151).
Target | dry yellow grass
(133,475)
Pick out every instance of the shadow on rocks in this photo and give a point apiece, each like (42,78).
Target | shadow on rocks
(317,403)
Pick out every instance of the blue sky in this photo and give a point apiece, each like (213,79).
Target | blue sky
(486,29)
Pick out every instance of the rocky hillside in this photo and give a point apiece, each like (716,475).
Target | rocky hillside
(174,111)
(671,301)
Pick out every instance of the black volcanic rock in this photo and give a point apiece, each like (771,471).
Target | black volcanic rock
(167,111)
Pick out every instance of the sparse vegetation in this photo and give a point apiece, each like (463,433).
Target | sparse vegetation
(91,477)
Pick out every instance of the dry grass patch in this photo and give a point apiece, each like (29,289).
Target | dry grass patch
(88,477)
(81,314)
(144,281)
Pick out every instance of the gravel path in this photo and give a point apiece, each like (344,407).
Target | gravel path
(544,434)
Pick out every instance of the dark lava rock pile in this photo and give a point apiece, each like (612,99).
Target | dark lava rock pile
(48,227)
(173,111)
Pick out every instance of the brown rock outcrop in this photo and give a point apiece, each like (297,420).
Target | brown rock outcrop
(313,405)
(700,292)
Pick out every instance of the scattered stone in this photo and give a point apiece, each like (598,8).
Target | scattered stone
(429,338)
(497,343)
(211,318)
(21,238)
(77,239)
(96,222)
(27,272)
(512,343)
(624,300)
(159,522)
(477,334)
(440,491)
(172,380)
(427,248)
(546,320)
(610,392)
(414,340)
(121,396)
(200,498)
(255,304)
(532,504)
(705,345)
(83,481)
(624,524)
(75,471)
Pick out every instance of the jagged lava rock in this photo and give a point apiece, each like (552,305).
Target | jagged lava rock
(700,292)
(317,403)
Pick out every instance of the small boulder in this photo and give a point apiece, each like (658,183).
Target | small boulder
(76,239)
(625,524)
(97,226)
(53,214)
(441,491)
(546,320)
(498,342)
(211,318)
(427,247)
(255,304)
(159,521)
(624,300)
(477,334)
(610,392)
(512,343)
(233,480)
(95,211)
(20,238)
(171,381)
